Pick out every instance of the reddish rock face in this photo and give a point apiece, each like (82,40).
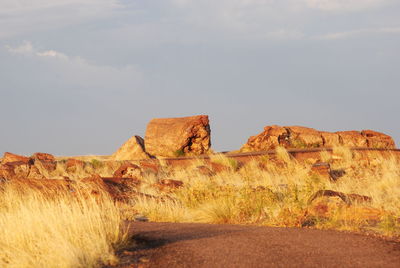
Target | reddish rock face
(173,137)
(10,157)
(302,137)
(352,139)
(378,140)
(132,149)
(330,139)
(7,171)
(270,138)
(43,157)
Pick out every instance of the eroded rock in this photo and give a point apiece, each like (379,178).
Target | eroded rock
(378,140)
(43,157)
(10,157)
(173,137)
(296,137)
(128,171)
(132,149)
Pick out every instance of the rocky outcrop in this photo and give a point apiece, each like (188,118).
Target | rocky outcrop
(378,140)
(172,137)
(43,157)
(10,157)
(132,149)
(303,137)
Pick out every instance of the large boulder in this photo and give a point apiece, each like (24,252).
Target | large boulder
(303,137)
(132,149)
(270,138)
(171,137)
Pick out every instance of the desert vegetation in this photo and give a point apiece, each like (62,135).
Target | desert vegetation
(71,212)
(45,228)
(279,193)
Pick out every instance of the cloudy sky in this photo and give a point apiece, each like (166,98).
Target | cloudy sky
(82,76)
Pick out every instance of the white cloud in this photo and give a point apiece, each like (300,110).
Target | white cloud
(349,34)
(25,48)
(52,53)
(346,5)
(79,71)
(27,16)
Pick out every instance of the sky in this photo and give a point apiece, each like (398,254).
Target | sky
(82,76)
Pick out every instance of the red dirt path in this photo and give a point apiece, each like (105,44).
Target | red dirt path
(205,245)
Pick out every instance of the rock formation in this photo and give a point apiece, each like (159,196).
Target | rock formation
(172,137)
(132,149)
(303,137)
(10,157)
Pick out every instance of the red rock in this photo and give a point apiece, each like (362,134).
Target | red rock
(171,183)
(168,185)
(132,149)
(127,181)
(43,157)
(352,139)
(172,137)
(330,139)
(128,171)
(378,140)
(10,157)
(269,139)
(7,171)
(321,168)
(47,165)
(74,163)
(304,137)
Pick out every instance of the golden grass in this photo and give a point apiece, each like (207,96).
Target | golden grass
(276,193)
(70,229)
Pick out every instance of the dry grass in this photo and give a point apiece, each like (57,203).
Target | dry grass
(64,230)
(275,193)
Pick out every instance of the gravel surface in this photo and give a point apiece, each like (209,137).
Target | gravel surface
(206,245)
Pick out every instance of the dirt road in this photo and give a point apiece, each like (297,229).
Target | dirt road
(204,245)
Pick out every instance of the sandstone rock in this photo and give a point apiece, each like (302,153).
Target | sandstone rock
(352,139)
(21,169)
(128,171)
(269,139)
(378,140)
(49,166)
(43,157)
(7,171)
(302,137)
(171,183)
(330,139)
(172,137)
(132,149)
(10,157)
